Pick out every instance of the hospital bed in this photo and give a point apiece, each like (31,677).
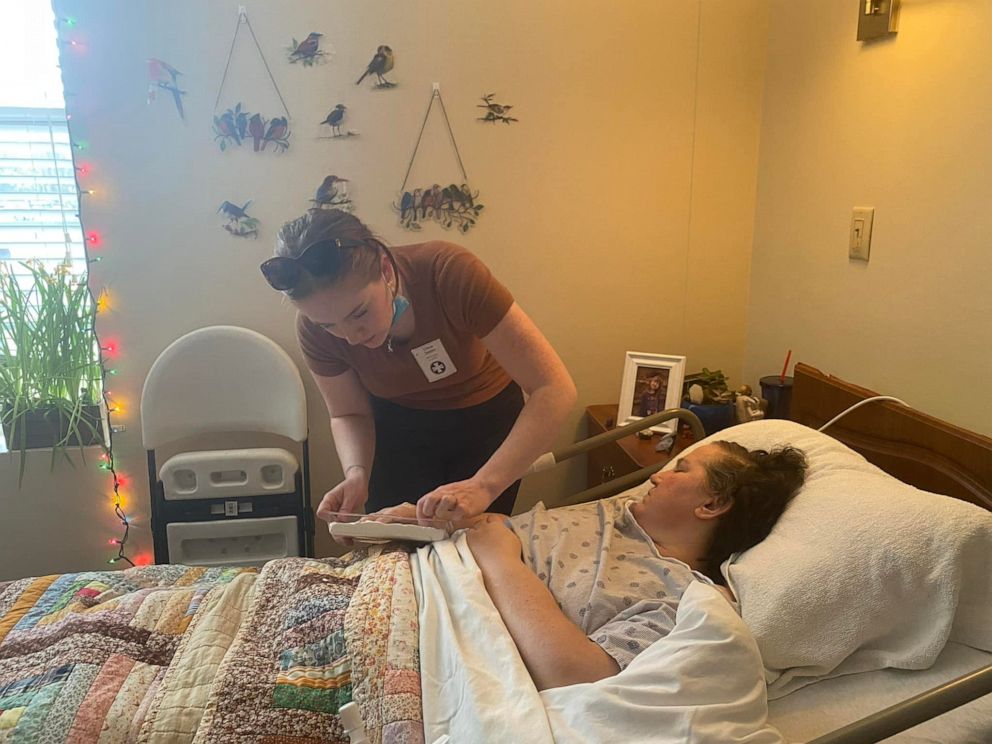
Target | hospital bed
(172,653)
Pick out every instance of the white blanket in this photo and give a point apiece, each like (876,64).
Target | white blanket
(474,683)
(702,683)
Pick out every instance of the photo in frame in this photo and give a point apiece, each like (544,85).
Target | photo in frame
(651,383)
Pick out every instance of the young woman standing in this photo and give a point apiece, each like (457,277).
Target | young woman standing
(441,390)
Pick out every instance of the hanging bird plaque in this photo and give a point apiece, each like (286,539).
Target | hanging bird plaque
(382,62)
(450,206)
(237,126)
(163,76)
(307,51)
(239,224)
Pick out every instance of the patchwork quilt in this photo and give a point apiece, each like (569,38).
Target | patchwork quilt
(192,654)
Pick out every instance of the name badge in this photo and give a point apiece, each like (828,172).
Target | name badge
(434,361)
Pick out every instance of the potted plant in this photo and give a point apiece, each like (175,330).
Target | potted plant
(50,372)
(708,395)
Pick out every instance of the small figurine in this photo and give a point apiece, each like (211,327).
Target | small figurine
(747,406)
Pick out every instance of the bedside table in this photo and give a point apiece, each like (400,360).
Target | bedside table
(622,456)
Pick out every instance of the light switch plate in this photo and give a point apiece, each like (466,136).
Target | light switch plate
(877,19)
(859,244)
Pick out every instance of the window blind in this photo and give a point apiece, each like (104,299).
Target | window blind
(39,204)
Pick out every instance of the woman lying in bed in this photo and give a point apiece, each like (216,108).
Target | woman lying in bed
(584,589)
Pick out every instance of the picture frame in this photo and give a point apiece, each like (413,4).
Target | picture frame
(651,383)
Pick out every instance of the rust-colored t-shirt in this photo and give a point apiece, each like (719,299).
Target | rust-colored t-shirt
(456,301)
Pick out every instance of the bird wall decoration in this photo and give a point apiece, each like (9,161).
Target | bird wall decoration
(235,126)
(333,194)
(382,62)
(163,76)
(335,119)
(239,224)
(495,111)
(307,51)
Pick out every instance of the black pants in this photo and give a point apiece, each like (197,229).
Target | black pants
(418,450)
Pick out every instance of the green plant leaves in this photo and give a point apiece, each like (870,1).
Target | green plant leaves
(49,356)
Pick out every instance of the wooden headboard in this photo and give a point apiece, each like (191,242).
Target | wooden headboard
(915,448)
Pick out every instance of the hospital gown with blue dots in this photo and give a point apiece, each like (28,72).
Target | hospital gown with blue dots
(605,572)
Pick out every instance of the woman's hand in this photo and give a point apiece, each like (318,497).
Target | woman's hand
(393,513)
(349,495)
(492,542)
(456,501)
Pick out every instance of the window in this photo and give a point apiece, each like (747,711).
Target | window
(39,201)
(39,204)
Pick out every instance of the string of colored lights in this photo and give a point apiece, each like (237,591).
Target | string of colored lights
(100,304)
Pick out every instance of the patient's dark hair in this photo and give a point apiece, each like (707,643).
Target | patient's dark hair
(759,484)
(358,252)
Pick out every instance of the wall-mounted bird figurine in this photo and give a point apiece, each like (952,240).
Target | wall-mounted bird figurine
(495,111)
(333,194)
(430,202)
(381,63)
(335,119)
(239,224)
(163,76)
(240,123)
(232,211)
(256,128)
(230,127)
(409,204)
(277,133)
(307,51)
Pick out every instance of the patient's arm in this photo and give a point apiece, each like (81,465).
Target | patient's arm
(555,650)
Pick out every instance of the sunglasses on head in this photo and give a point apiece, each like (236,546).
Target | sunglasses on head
(283,272)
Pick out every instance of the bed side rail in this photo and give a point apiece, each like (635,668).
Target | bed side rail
(915,710)
(550,459)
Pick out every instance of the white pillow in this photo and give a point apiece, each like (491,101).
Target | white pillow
(701,683)
(862,572)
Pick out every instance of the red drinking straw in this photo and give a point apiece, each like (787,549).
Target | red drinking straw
(781,377)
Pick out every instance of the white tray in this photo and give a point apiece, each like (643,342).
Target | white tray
(381,532)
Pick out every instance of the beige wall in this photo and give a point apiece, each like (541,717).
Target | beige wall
(904,126)
(629,178)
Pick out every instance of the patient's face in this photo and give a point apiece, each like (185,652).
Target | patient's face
(354,309)
(678,492)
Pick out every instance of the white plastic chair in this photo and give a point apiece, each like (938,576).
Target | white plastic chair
(217,380)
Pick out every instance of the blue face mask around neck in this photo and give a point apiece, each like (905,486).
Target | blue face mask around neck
(400,305)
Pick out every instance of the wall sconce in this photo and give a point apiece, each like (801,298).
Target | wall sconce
(877,18)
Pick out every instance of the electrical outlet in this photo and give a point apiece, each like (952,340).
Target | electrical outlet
(859,244)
